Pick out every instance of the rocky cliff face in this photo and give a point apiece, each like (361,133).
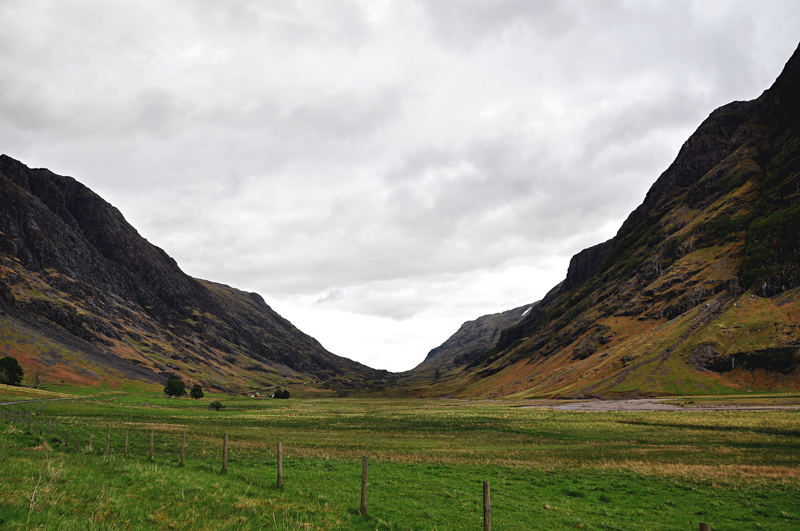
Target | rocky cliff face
(699,291)
(474,338)
(585,265)
(73,269)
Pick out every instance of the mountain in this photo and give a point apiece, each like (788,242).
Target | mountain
(698,292)
(84,299)
(474,338)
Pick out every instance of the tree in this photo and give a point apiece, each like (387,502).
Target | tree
(196,392)
(216,405)
(281,394)
(10,371)
(175,388)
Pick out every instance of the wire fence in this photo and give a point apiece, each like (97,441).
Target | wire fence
(507,509)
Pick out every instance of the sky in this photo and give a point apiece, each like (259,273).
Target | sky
(379,171)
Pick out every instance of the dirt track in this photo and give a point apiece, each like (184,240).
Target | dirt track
(655,404)
(35,400)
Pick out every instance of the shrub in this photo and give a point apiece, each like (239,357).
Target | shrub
(216,405)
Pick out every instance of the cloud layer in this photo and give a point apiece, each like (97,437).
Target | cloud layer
(380,171)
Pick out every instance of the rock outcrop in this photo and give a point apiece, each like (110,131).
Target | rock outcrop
(474,338)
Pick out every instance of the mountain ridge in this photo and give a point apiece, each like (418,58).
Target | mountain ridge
(716,232)
(70,260)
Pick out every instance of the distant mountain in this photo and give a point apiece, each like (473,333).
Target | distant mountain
(85,299)
(699,291)
(474,338)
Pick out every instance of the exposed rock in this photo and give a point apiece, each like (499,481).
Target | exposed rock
(473,338)
(782,360)
(585,265)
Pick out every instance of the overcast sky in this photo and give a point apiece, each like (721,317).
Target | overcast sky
(380,171)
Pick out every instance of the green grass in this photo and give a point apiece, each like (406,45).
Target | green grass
(548,469)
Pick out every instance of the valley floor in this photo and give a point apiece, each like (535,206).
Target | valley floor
(678,404)
(548,468)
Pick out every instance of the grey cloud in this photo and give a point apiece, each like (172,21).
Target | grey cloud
(154,110)
(642,117)
(331,297)
(307,24)
(466,23)
(343,115)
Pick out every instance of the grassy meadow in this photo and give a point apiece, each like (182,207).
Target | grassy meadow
(548,469)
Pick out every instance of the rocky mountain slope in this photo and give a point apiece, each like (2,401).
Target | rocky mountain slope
(85,299)
(474,338)
(698,292)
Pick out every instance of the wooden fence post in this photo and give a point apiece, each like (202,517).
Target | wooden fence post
(108,443)
(29,422)
(66,436)
(91,441)
(487,508)
(363,508)
(225,454)
(705,527)
(50,427)
(183,446)
(280,464)
(150,455)
(126,442)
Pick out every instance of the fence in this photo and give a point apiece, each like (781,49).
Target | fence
(24,421)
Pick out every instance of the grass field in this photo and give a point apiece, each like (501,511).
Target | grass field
(548,469)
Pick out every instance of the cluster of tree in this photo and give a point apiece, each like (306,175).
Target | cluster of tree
(10,371)
(281,394)
(176,388)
